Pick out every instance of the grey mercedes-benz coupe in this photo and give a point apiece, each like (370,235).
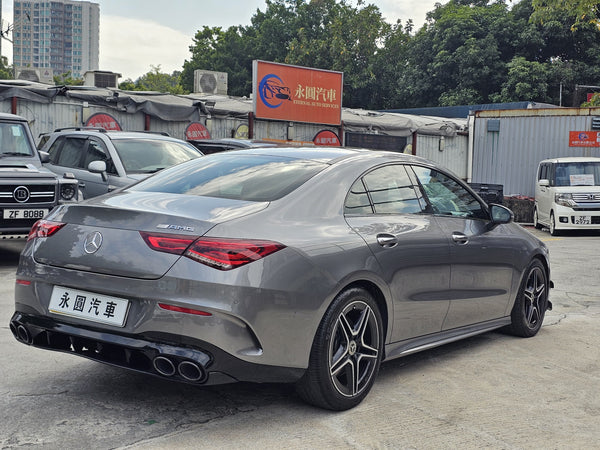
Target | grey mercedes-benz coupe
(279,265)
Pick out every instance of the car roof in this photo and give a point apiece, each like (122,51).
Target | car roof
(568,159)
(114,134)
(328,155)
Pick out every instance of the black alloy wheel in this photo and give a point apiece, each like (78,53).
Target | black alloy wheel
(346,353)
(531,302)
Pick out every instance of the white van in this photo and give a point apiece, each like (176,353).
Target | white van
(567,194)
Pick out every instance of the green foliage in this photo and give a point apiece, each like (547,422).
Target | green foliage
(579,12)
(6,71)
(469,51)
(155,81)
(594,101)
(66,79)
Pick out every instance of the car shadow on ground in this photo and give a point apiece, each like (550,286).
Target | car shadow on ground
(10,251)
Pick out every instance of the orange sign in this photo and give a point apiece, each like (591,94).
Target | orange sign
(297,94)
(584,139)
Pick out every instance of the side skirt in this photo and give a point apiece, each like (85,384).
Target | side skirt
(410,346)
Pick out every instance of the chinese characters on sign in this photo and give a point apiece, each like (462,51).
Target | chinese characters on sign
(102,120)
(584,139)
(89,306)
(327,138)
(297,94)
(196,131)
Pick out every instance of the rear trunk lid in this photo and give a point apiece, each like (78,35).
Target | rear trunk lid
(103,235)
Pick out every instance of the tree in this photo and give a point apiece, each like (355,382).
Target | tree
(156,81)
(6,71)
(578,11)
(66,79)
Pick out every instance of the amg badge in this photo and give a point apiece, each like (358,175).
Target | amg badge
(166,226)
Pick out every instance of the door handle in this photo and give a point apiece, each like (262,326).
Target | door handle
(460,238)
(387,240)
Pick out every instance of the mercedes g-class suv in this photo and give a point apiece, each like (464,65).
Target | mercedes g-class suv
(28,191)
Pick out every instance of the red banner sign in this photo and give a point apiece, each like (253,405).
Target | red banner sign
(328,138)
(102,120)
(584,139)
(195,131)
(297,94)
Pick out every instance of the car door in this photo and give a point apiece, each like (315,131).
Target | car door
(93,184)
(73,154)
(543,194)
(383,207)
(482,258)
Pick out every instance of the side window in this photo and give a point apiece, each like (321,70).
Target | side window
(386,190)
(543,175)
(357,201)
(96,151)
(447,196)
(70,154)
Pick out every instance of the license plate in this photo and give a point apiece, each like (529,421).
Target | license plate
(583,220)
(25,213)
(89,306)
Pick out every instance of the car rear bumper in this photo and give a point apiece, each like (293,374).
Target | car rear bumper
(162,355)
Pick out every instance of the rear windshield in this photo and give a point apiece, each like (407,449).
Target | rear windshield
(259,178)
(578,174)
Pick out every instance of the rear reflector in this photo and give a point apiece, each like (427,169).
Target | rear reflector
(44,228)
(196,312)
(23,282)
(219,253)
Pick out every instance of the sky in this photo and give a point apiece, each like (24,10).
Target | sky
(136,35)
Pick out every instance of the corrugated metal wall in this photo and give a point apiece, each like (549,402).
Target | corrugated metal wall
(511,155)
(454,153)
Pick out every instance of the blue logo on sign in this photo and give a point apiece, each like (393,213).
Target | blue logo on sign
(273,91)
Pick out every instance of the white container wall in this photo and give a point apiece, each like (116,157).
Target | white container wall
(449,152)
(508,145)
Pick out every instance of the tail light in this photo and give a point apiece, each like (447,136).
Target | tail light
(219,253)
(44,228)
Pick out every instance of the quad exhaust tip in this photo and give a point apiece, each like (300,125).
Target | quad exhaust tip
(188,370)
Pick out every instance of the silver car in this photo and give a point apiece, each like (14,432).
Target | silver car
(308,265)
(103,161)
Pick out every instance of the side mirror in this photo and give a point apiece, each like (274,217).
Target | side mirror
(44,156)
(98,167)
(544,182)
(500,214)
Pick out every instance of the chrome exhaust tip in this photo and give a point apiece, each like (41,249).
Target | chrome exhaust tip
(191,371)
(164,366)
(24,335)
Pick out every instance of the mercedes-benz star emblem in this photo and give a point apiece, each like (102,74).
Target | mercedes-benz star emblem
(92,242)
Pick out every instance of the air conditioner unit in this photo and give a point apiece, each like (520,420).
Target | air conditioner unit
(101,79)
(209,82)
(29,75)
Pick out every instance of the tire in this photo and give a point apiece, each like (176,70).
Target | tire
(553,230)
(346,353)
(536,223)
(531,303)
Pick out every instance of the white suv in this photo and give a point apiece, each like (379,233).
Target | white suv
(567,194)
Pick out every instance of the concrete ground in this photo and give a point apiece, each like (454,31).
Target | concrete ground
(491,391)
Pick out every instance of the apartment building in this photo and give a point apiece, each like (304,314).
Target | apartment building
(56,37)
